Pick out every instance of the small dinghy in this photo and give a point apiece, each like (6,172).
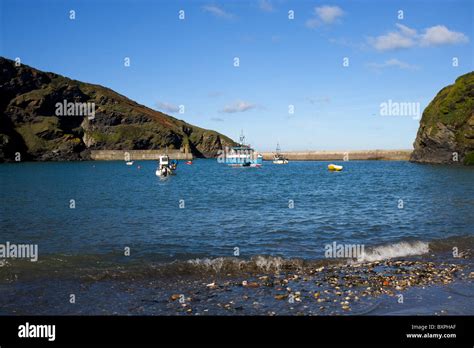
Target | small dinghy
(335,168)
(129,163)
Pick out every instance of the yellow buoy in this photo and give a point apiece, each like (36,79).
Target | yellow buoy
(335,167)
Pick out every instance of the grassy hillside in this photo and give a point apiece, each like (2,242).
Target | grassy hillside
(29,124)
(447,125)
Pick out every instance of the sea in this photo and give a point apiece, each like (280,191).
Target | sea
(116,239)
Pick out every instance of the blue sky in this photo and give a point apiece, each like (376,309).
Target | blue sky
(283,62)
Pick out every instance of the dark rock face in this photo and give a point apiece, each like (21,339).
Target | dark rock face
(30,125)
(446,133)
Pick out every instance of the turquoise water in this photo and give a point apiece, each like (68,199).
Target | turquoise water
(118,206)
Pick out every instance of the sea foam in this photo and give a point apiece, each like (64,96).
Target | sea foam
(389,251)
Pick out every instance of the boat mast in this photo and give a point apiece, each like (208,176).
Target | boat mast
(242,138)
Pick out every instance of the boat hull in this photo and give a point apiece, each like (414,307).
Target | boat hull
(240,165)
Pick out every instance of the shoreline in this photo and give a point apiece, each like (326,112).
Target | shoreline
(388,287)
(430,282)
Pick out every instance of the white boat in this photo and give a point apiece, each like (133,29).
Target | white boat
(129,163)
(278,158)
(242,156)
(280,161)
(165,169)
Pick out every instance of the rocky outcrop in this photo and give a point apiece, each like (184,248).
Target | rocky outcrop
(446,133)
(33,125)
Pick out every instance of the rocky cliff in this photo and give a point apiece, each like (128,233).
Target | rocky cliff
(446,133)
(44,116)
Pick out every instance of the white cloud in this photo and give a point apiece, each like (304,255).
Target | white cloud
(217,11)
(392,41)
(392,63)
(329,14)
(240,106)
(324,15)
(406,30)
(405,37)
(440,35)
(168,107)
(266,5)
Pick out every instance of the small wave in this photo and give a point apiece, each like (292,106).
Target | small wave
(258,263)
(390,251)
(110,266)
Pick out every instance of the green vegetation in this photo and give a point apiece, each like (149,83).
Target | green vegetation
(469,159)
(447,124)
(36,134)
(453,106)
(28,113)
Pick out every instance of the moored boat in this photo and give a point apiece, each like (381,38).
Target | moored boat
(241,156)
(278,157)
(165,167)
